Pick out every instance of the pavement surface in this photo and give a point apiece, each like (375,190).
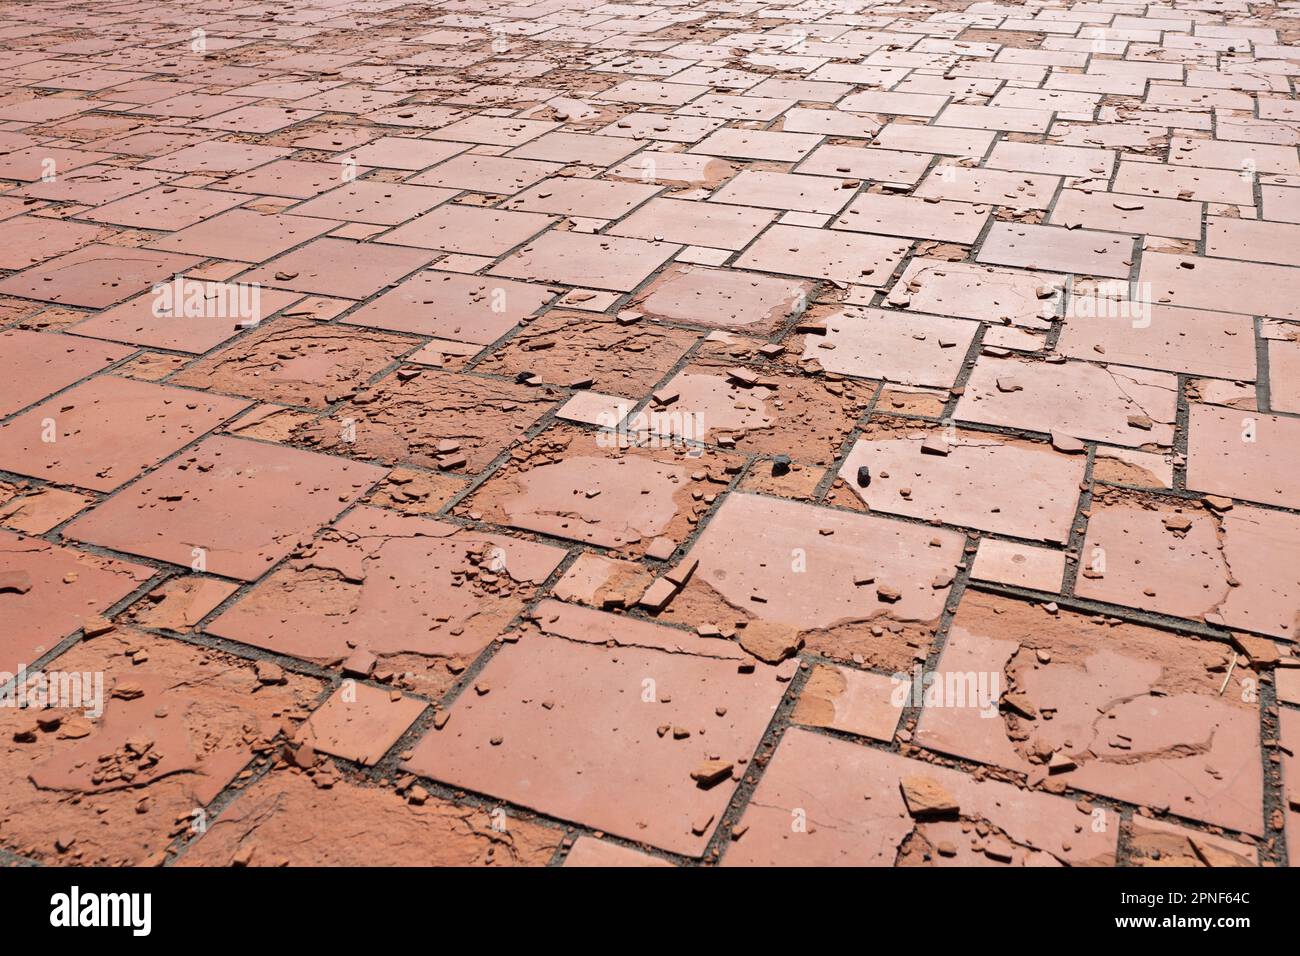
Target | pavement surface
(683,433)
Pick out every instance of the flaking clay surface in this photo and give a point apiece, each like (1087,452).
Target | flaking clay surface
(636,435)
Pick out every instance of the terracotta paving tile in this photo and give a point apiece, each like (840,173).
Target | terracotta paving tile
(594,199)
(581,486)
(487,174)
(1122,406)
(566,759)
(165,207)
(36,162)
(1007,562)
(423,597)
(338,267)
(1159,337)
(967,479)
(823,254)
(244,506)
(95,276)
(1157,843)
(1275,242)
(757,144)
(41,508)
(914,218)
(34,365)
(789,191)
(291,178)
(850,701)
(404,152)
(106,431)
(1284,376)
(199,316)
(179,603)
(970,291)
(694,223)
(470,229)
(196,711)
(989,186)
(1183,182)
(244,235)
(1290,736)
(52,591)
(885,344)
(359,722)
(1203,283)
(819,783)
(217,157)
(31,239)
(789,572)
(1116,212)
(493,359)
(1058,250)
(1136,713)
(385,204)
(1240,455)
(598,262)
(462,308)
(778,414)
(1194,564)
(878,165)
(590,852)
(719,298)
(288,819)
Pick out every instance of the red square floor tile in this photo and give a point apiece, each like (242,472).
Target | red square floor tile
(378,203)
(475,309)
(292,178)
(95,276)
(469,229)
(230,505)
(1244,455)
(232,307)
(244,235)
(596,262)
(165,207)
(296,361)
(339,267)
(1012,487)
(29,239)
(607,737)
(51,590)
(411,600)
(36,364)
(179,724)
(106,431)
(360,722)
(288,820)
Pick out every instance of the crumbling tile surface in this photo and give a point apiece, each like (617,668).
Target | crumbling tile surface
(412,592)
(485,361)
(808,811)
(290,819)
(178,724)
(1126,711)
